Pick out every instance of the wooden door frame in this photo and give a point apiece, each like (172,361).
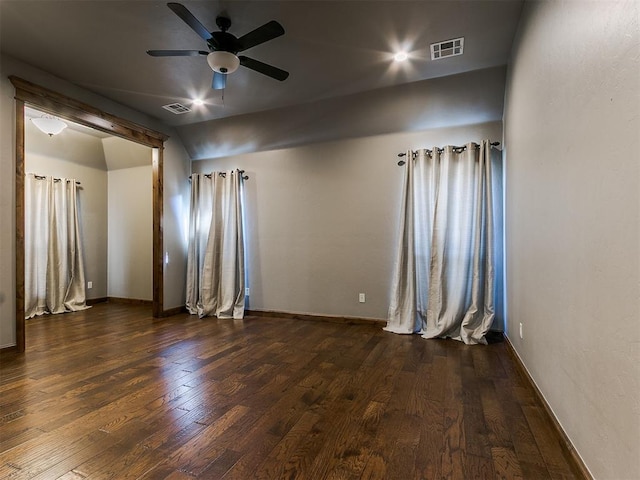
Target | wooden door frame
(46,100)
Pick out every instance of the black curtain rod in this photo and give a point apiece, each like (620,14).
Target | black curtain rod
(42,177)
(440,150)
(224,175)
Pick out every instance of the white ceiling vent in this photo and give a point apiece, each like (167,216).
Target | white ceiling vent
(176,108)
(448,48)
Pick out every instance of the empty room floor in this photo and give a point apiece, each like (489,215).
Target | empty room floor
(111,392)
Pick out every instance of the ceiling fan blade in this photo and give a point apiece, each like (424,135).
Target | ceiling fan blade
(265,69)
(262,34)
(176,53)
(188,18)
(219,81)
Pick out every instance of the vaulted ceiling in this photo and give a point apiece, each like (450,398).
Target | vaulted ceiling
(331,48)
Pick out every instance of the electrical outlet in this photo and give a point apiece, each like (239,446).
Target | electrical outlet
(246,292)
(361,298)
(89,285)
(520,330)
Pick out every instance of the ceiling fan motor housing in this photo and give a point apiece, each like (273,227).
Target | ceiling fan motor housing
(223,23)
(223,41)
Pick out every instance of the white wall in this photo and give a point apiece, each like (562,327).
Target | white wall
(572,123)
(121,153)
(322,219)
(80,156)
(176,165)
(116,206)
(130,256)
(130,212)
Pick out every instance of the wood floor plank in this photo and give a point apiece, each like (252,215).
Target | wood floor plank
(494,417)
(111,392)
(432,427)
(506,464)
(403,457)
(196,454)
(71,476)
(548,443)
(97,461)
(288,453)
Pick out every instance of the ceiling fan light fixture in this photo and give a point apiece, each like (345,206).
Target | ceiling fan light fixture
(223,62)
(49,125)
(223,47)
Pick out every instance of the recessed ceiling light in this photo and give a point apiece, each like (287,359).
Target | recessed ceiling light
(198,102)
(400,56)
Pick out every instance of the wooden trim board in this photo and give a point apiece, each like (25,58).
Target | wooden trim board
(41,98)
(316,318)
(129,301)
(93,301)
(19,252)
(174,311)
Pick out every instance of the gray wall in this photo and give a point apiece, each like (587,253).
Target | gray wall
(322,219)
(175,223)
(465,99)
(572,123)
(176,165)
(322,216)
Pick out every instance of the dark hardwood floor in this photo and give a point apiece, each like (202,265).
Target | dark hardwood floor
(112,393)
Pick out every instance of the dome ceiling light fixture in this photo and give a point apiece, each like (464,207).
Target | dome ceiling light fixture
(49,124)
(223,62)
(223,47)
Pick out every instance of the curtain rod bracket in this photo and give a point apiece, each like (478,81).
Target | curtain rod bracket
(223,174)
(42,177)
(439,150)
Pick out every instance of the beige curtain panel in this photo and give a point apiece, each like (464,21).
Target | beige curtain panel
(448,270)
(215,260)
(54,270)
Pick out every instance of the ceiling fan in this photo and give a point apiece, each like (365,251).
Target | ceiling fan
(223,47)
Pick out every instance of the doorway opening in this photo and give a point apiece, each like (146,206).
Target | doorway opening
(48,101)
